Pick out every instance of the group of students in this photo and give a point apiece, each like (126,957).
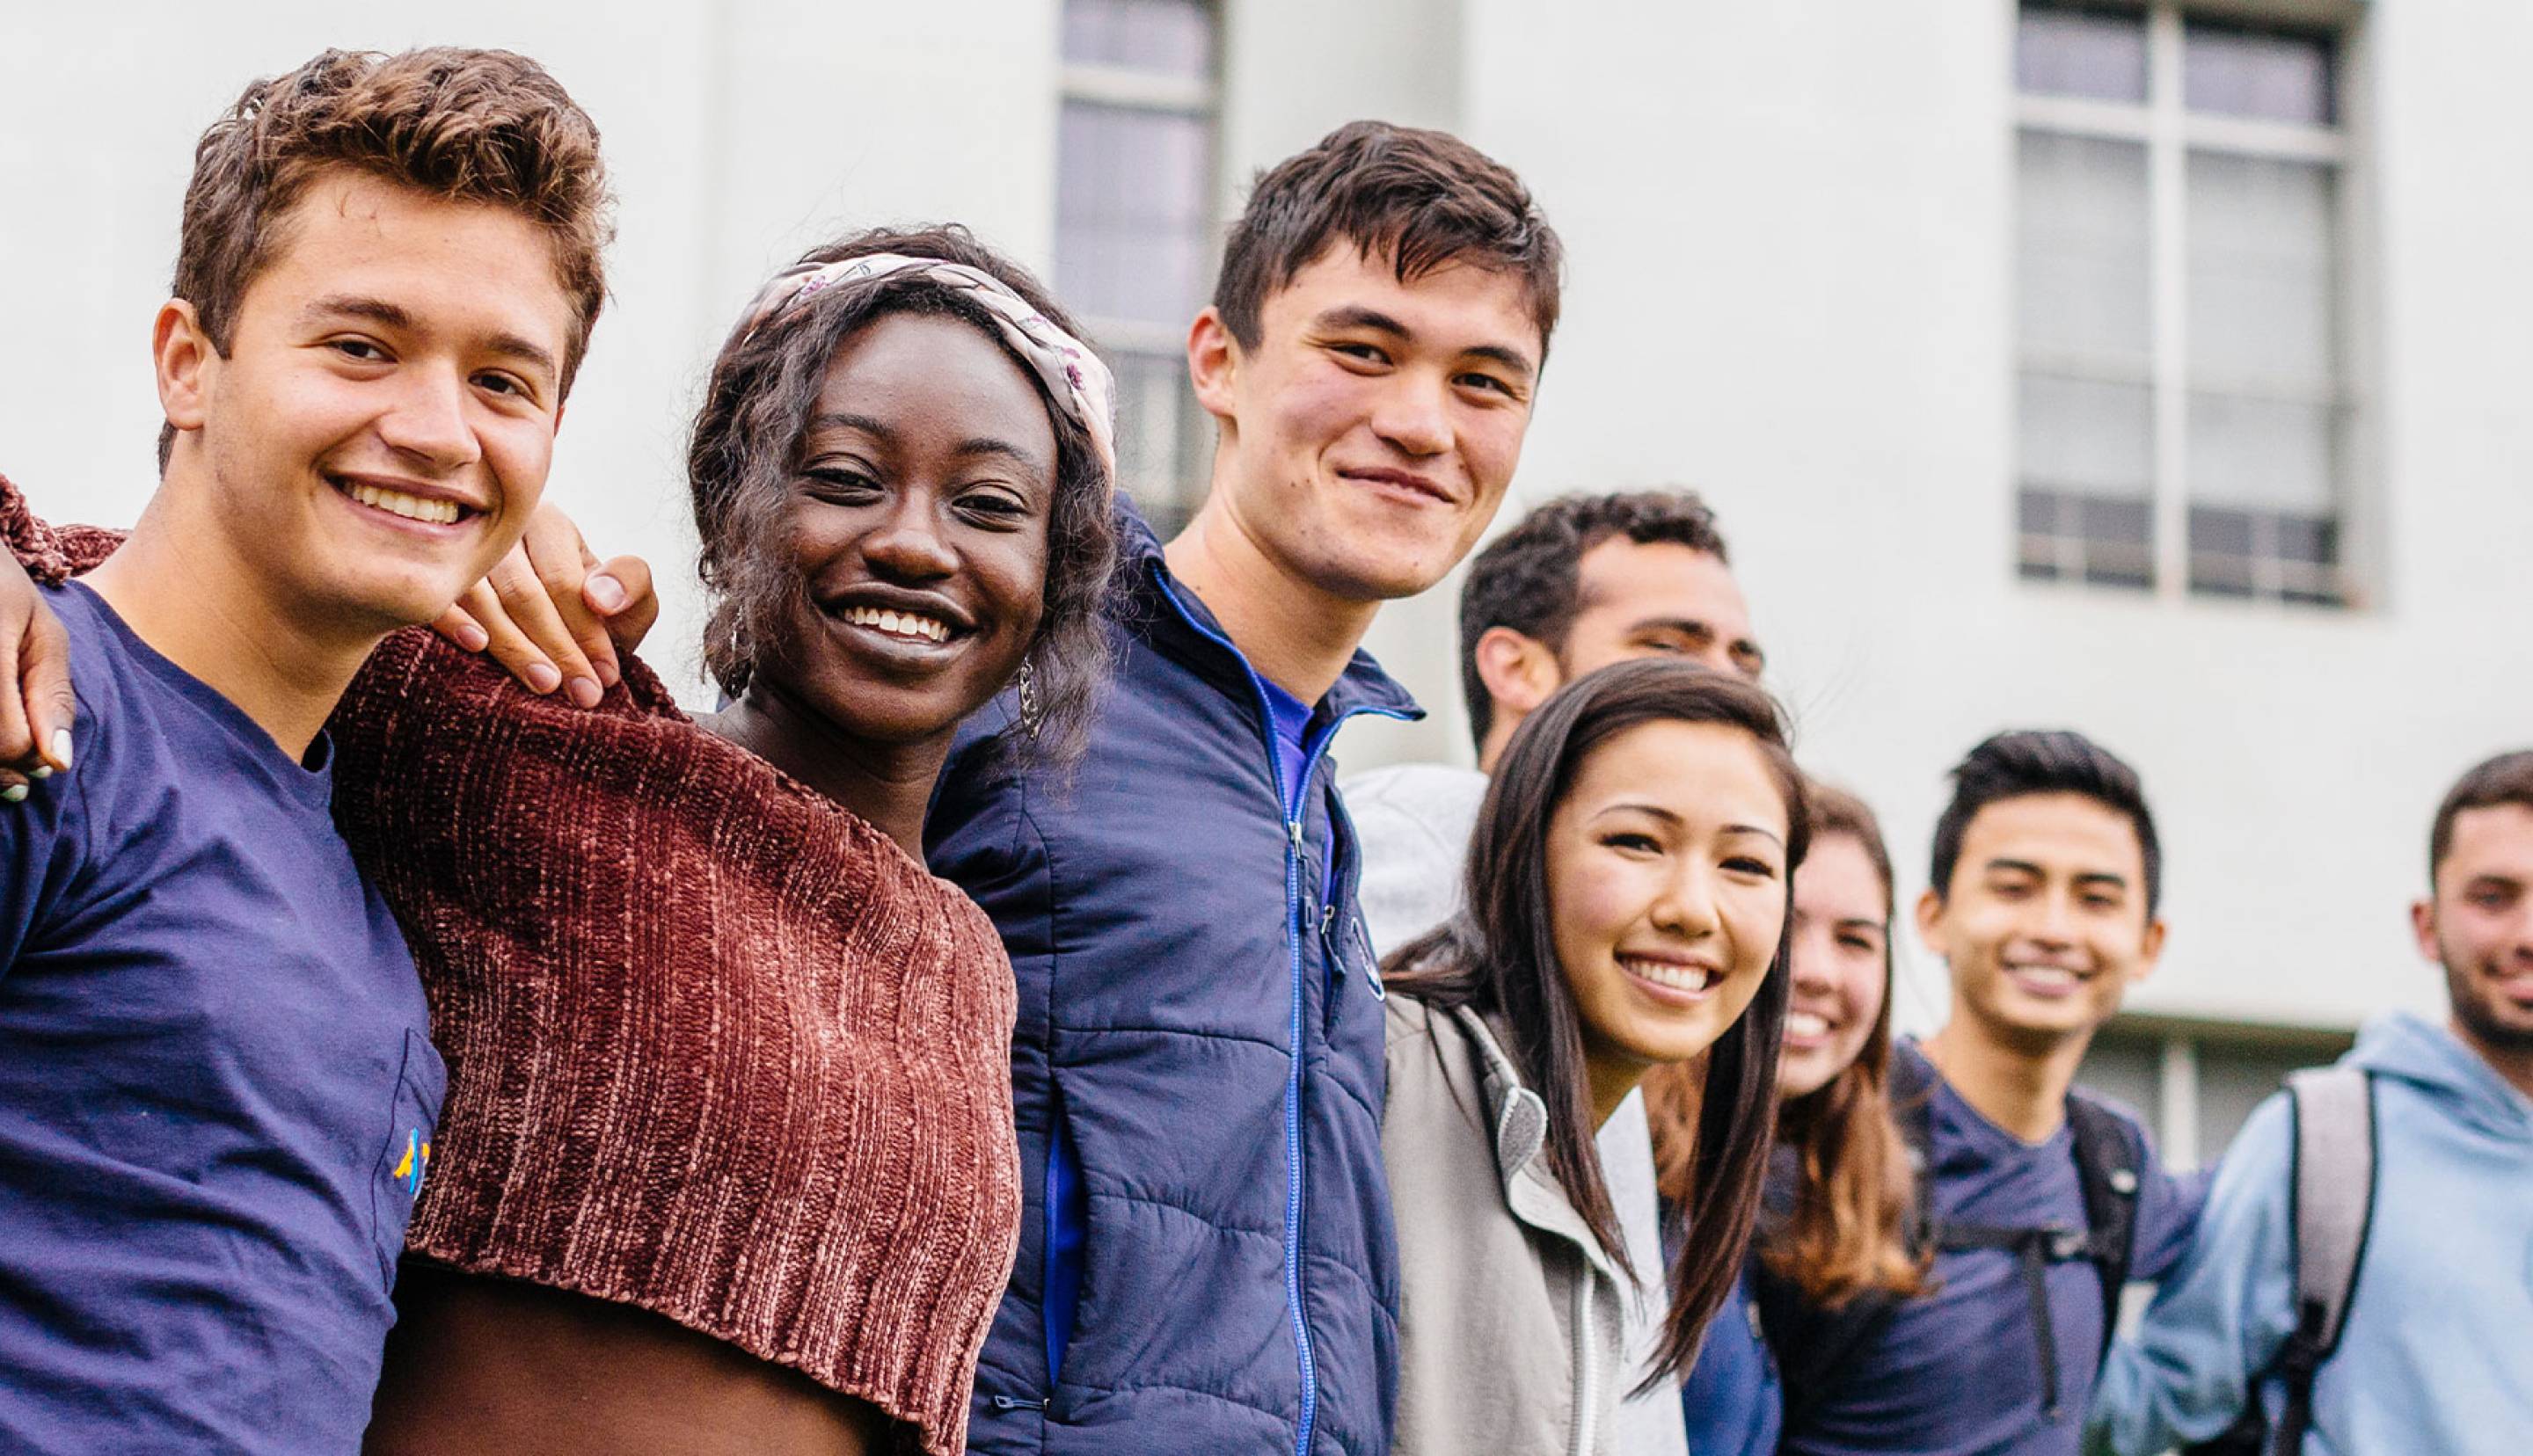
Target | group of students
(990,1030)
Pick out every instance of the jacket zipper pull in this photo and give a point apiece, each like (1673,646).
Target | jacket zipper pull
(1014,1403)
(1294,828)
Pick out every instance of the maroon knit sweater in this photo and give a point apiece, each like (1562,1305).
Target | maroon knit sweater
(718,1048)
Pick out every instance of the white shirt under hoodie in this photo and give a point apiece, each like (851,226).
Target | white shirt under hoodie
(1413,822)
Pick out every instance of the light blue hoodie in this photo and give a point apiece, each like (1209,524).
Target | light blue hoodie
(2437,1352)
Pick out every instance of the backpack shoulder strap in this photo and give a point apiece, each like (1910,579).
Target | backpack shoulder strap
(2330,1193)
(2331,1204)
(2110,1157)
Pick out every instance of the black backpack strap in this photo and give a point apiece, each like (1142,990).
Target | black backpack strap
(2108,1153)
(1811,1344)
(2110,1159)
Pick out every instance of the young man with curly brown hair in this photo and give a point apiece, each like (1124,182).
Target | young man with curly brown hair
(217,1092)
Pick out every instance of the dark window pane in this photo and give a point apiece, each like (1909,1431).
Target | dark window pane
(2313,540)
(2036,511)
(2268,75)
(1133,188)
(2276,556)
(2103,540)
(2129,522)
(1173,36)
(2091,52)
(2213,529)
(2113,565)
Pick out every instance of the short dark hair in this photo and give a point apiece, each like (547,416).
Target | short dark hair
(1529,578)
(740,464)
(2507,779)
(1420,198)
(2017,764)
(468,126)
(1499,956)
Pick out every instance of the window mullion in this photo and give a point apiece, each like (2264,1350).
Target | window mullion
(2177,1080)
(2167,183)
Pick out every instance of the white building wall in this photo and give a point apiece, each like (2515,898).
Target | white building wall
(1790,227)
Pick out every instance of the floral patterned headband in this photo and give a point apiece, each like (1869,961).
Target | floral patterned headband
(1074,379)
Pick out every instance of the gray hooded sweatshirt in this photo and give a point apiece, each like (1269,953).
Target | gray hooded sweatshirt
(1413,822)
(1510,1337)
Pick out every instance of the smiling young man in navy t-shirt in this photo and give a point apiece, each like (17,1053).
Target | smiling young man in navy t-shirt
(2036,1200)
(217,1090)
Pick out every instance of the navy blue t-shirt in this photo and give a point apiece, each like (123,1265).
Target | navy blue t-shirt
(216,1091)
(1957,1372)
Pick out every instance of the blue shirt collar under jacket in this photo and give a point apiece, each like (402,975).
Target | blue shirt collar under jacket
(1149,592)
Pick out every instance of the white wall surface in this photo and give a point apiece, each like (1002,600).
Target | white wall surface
(1790,227)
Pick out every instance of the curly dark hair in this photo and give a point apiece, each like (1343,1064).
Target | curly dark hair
(746,445)
(1528,579)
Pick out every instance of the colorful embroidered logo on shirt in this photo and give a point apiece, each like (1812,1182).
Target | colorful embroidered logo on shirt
(417,1161)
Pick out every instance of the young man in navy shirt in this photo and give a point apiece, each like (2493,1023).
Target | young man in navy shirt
(2042,903)
(217,1089)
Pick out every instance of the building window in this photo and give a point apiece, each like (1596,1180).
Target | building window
(2183,390)
(1135,223)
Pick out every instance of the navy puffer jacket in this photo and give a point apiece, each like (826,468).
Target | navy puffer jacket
(1197,1068)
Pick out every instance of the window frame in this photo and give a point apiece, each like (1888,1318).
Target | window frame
(1127,88)
(2170,132)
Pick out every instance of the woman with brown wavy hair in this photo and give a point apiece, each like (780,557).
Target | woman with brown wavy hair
(1840,1185)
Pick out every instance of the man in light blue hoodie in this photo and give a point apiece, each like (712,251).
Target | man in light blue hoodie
(2436,1354)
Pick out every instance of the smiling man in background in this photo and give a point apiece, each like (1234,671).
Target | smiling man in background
(2430,1347)
(2042,1202)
